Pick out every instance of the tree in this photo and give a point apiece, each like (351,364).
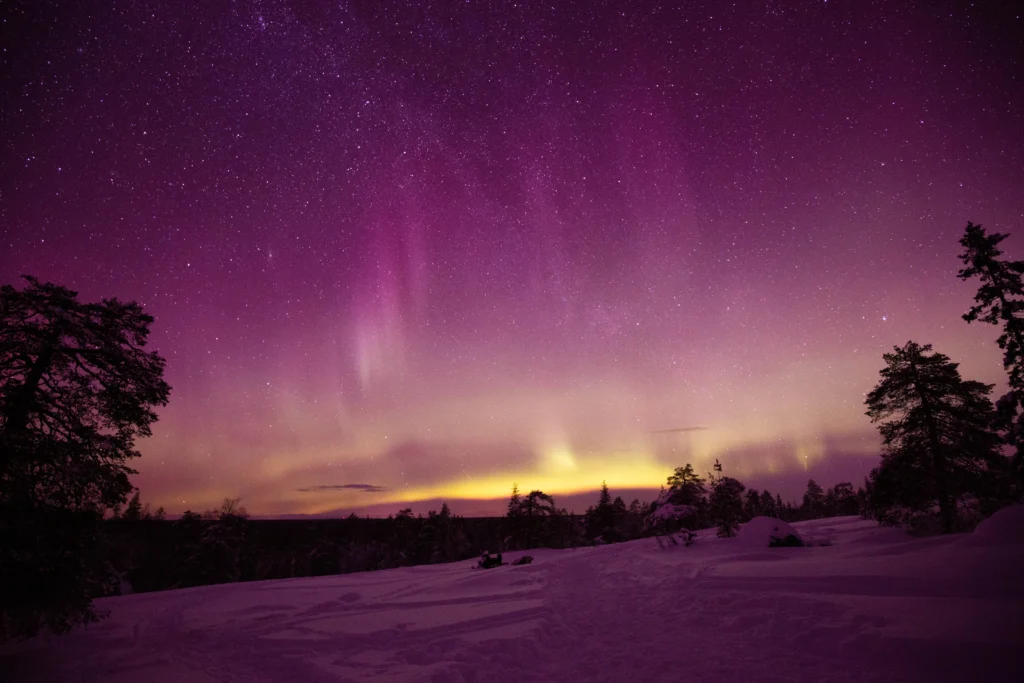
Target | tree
(936,433)
(683,504)
(726,505)
(77,388)
(133,512)
(999,302)
(600,520)
(726,502)
(514,501)
(685,487)
(535,509)
(845,499)
(767,504)
(814,499)
(513,522)
(752,506)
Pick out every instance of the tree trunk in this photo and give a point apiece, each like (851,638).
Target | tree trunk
(938,456)
(16,422)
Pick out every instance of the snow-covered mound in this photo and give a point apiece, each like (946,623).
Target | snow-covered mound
(1006,527)
(761,531)
(877,605)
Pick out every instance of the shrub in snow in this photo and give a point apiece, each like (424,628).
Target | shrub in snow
(487,562)
(790,541)
(669,539)
(769,532)
(525,559)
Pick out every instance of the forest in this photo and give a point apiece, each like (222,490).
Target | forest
(78,389)
(146,552)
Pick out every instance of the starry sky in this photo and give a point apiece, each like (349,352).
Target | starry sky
(404,252)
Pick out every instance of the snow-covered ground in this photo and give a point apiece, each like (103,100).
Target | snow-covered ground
(875,605)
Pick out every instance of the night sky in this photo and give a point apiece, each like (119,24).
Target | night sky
(405,252)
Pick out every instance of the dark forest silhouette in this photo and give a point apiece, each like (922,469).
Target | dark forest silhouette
(77,388)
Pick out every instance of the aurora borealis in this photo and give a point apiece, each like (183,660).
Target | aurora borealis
(402,252)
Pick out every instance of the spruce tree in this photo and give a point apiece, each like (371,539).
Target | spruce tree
(726,505)
(752,507)
(814,499)
(1000,301)
(513,517)
(936,432)
(514,502)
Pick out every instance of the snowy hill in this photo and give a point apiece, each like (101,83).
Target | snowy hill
(874,605)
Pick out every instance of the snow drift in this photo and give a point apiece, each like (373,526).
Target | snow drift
(761,532)
(877,605)
(1005,527)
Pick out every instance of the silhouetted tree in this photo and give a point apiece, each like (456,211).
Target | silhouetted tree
(752,506)
(814,499)
(1000,301)
(224,543)
(686,488)
(514,501)
(767,504)
(841,500)
(535,510)
(725,502)
(513,519)
(76,389)
(600,520)
(133,512)
(936,431)
(682,505)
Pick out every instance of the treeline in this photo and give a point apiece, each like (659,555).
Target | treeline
(144,551)
(147,552)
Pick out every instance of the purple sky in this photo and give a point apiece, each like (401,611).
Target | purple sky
(435,248)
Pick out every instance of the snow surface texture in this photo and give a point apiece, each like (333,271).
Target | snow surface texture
(761,531)
(876,605)
(1006,527)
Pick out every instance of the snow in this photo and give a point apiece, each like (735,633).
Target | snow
(761,531)
(876,605)
(1006,527)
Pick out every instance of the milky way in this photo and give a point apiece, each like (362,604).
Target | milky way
(403,252)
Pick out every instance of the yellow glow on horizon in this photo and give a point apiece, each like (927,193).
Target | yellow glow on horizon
(640,471)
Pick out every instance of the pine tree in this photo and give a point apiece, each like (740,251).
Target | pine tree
(514,502)
(726,504)
(536,508)
(513,519)
(1000,301)
(600,520)
(133,511)
(752,508)
(814,499)
(685,487)
(935,427)
(767,504)
(845,499)
(683,504)
(77,388)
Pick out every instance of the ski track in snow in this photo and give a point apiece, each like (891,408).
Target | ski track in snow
(876,605)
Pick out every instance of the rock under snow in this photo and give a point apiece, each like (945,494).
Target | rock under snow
(1006,527)
(760,531)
